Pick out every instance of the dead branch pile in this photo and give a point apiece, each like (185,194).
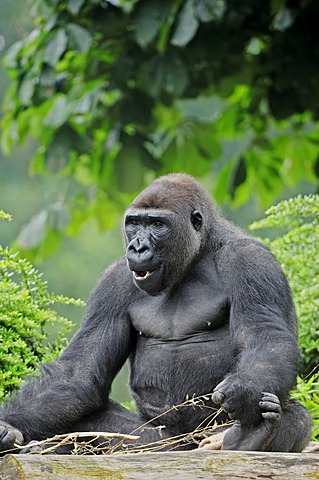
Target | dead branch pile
(97,443)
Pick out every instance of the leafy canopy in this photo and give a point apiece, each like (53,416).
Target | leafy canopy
(118,91)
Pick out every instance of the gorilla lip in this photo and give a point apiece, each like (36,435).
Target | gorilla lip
(141,274)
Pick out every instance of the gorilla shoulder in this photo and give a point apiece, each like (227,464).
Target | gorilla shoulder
(242,258)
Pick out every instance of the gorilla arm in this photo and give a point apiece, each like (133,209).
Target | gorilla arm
(262,329)
(80,380)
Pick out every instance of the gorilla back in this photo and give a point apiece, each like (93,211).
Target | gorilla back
(199,307)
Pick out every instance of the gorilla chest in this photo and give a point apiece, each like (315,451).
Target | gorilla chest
(192,310)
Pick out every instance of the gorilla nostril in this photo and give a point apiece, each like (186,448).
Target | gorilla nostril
(142,249)
(138,246)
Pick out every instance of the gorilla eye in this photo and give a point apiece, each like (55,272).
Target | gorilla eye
(132,222)
(157,224)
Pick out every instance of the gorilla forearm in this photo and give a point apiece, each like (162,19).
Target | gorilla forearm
(272,365)
(262,326)
(79,382)
(36,410)
(268,363)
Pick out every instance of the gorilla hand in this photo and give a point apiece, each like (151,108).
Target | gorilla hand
(239,398)
(31,447)
(9,436)
(254,437)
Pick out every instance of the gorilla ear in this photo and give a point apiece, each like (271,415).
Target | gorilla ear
(197,220)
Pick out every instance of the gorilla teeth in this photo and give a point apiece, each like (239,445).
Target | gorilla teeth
(143,274)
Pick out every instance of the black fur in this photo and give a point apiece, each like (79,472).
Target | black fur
(206,304)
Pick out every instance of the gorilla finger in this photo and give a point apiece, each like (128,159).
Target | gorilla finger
(10,434)
(221,386)
(3,433)
(32,446)
(218,397)
(270,397)
(19,437)
(272,417)
(8,441)
(227,408)
(270,406)
(232,415)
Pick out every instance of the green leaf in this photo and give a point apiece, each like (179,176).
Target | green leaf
(104,212)
(255,46)
(58,153)
(209,10)
(126,5)
(187,25)
(6,216)
(208,146)
(182,154)
(74,6)
(165,74)
(27,87)
(47,76)
(37,165)
(55,48)
(12,56)
(283,19)
(50,244)
(223,180)
(34,233)
(58,113)
(148,19)
(79,38)
(204,109)
(129,172)
(299,156)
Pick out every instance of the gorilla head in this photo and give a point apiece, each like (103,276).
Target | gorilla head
(165,228)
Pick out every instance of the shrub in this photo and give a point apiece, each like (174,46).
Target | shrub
(307,392)
(25,314)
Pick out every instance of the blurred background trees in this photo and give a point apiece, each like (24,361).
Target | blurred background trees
(105,95)
(117,92)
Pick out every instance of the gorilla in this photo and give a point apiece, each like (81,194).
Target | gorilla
(198,307)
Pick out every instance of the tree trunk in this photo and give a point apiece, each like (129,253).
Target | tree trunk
(163,466)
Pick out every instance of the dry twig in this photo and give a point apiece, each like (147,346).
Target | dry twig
(89,446)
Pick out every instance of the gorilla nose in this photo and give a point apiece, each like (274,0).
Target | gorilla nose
(140,248)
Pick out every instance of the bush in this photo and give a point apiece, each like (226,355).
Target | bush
(297,249)
(24,318)
(307,392)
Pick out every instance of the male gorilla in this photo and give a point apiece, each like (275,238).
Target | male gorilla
(197,306)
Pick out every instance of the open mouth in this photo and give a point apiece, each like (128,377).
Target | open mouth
(141,274)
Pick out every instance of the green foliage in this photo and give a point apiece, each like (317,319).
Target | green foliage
(130,405)
(6,216)
(24,318)
(119,91)
(307,392)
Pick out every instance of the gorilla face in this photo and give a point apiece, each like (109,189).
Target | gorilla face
(147,233)
(160,246)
